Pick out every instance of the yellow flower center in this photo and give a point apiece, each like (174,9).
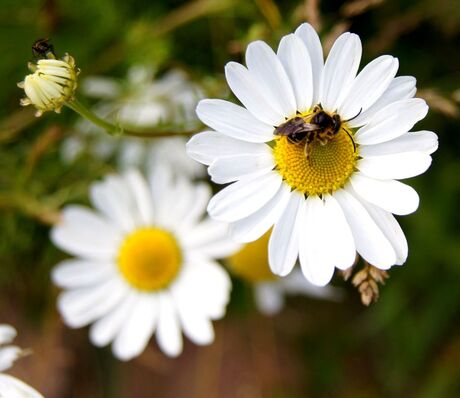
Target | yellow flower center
(321,168)
(149,258)
(251,262)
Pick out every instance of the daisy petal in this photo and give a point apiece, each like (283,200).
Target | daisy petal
(208,146)
(197,328)
(138,328)
(311,41)
(392,121)
(370,241)
(233,168)
(168,334)
(296,61)
(105,329)
(233,121)
(243,197)
(79,273)
(339,70)
(390,195)
(369,85)
(267,70)
(254,226)
(11,387)
(84,233)
(142,195)
(283,246)
(420,141)
(401,87)
(390,227)
(248,92)
(269,299)
(396,166)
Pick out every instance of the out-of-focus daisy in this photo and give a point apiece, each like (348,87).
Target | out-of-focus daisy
(11,387)
(316,151)
(251,264)
(145,264)
(140,101)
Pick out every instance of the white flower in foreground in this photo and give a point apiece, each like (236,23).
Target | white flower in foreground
(138,100)
(145,263)
(336,195)
(11,387)
(51,85)
(251,264)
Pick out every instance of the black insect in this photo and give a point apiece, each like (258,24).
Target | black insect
(321,127)
(42,48)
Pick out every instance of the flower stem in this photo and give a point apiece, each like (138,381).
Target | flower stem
(117,130)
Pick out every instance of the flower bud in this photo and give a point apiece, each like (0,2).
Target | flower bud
(52,83)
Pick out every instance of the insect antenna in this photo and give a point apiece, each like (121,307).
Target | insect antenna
(354,117)
(351,138)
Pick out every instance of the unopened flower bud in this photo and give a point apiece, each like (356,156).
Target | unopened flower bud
(52,83)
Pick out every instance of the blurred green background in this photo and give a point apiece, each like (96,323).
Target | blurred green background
(405,345)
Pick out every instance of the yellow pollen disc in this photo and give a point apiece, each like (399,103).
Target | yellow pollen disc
(149,259)
(251,262)
(327,169)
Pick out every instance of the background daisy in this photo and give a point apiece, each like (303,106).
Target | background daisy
(145,263)
(11,387)
(337,196)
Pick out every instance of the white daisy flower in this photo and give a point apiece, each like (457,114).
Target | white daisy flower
(145,263)
(316,151)
(141,101)
(11,387)
(251,264)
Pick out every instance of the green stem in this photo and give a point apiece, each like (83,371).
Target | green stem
(116,130)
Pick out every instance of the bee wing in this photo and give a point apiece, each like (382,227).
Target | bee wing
(309,127)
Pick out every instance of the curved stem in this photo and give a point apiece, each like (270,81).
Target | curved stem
(115,130)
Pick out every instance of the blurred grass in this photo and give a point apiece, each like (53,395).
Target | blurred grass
(406,345)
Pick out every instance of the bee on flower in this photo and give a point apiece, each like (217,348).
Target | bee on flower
(316,152)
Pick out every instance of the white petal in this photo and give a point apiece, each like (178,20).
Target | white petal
(7,334)
(267,70)
(84,233)
(168,333)
(392,121)
(210,145)
(137,328)
(244,197)
(311,41)
(105,329)
(8,355)
(401,87)
(233,121)
(204,288)
(420,141)
(247,90)
(390,195)
(283,246)
(370,241)
(209,238)
(339,70)
(397,166)
(201,195)
(113,198)
(142,196)
(79,273)
(196,326)
(254,226)
(233,168)
(82,306)
(390,227)
(296,61)
(11,387)
(369,85)
(268,297)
